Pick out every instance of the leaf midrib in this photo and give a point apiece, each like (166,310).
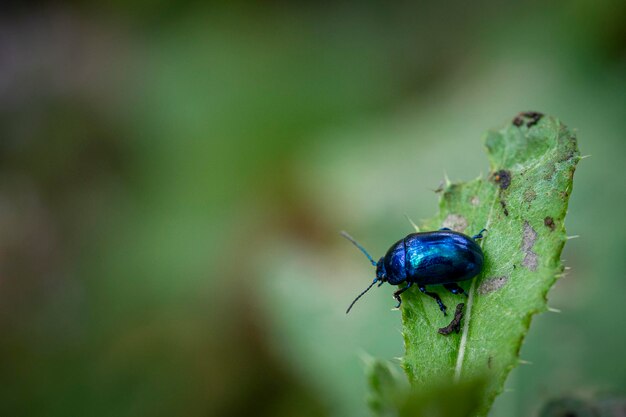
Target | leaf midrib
(470,299)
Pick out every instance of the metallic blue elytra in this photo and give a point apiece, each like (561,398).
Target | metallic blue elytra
(427,258)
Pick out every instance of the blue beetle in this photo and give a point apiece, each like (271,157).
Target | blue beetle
(427,258)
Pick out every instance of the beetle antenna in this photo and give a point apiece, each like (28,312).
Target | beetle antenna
(354,242)
(360,295)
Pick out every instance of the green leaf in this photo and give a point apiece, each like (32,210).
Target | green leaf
(387,388)
(391,396)
(522,203)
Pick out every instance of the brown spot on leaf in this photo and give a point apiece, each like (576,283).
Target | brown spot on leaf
(549,223)
(455,222)
(529,195)
(492,284)
(489,360)
(531,260)
(455,324)
(531,117)
(503,204)
(534,117)
(502,178)
(567,155)
(550,171)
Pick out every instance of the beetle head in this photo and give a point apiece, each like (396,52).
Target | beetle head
(381,274)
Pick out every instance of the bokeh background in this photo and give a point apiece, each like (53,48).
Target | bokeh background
(174,174)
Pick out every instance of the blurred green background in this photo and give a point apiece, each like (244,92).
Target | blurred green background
(173,177)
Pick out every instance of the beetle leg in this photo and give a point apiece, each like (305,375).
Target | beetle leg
(479,235)
(396,294)
(434,295)
(454,288)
